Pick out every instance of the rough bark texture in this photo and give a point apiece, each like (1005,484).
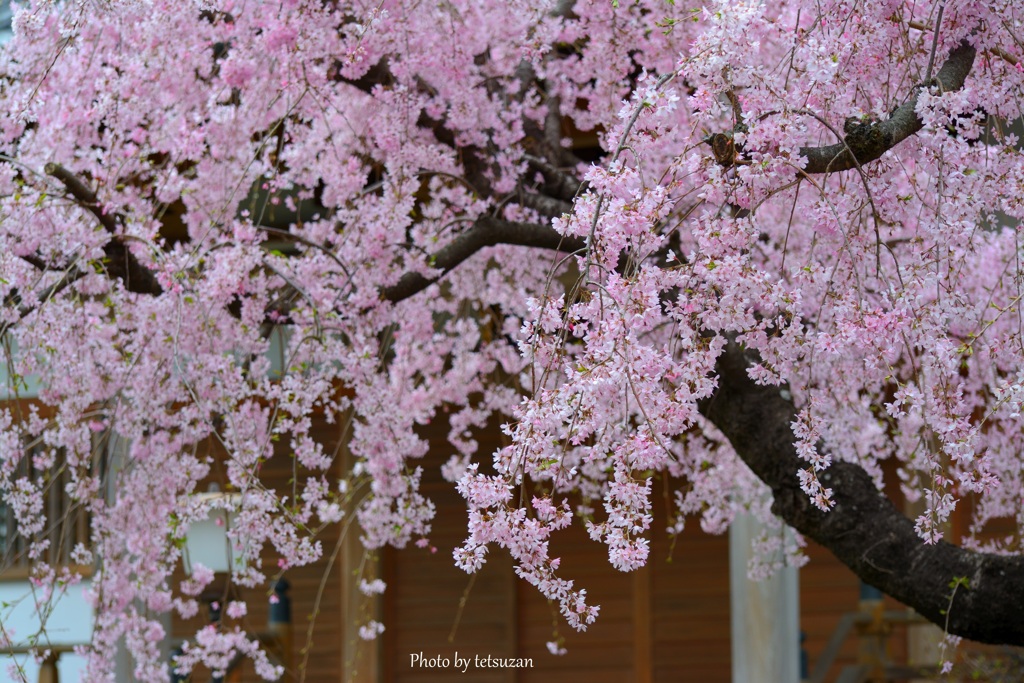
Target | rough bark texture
(120,263)
(486,232)
(864,530)
(970,594)
(870,141)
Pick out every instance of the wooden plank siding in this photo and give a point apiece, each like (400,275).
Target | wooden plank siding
(668,622)
(437,610)
(605,651)
(691,605)
(319,649)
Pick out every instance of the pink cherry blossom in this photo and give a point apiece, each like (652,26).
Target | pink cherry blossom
(233,223)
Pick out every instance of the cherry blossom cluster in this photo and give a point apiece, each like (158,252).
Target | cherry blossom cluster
(224,225)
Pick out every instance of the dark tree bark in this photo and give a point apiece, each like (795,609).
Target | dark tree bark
(485,232)
(864,530)
(868,142)
(121,263)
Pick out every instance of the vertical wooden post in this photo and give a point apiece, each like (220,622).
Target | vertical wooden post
(513,622)
(48,669)
(643,647)
(362,661)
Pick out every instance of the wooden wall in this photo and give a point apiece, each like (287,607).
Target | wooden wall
(667,622)
(424,610)
(691,607)
(315,655)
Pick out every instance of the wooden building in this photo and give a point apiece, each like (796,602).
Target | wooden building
(669,621)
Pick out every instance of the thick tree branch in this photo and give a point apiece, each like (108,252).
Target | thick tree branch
(543,204)
(486,232)
(865,530)
(557,183)
(82,194)
(71,276)
(121,263)
(870,141)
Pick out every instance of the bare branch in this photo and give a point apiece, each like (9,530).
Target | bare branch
(557,183)
(486,232)
(82,195)
(935,42)
(544,205)
(121,262)
(869,142)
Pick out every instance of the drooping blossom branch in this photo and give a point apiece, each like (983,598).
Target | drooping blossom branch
(870,141)
(379,216)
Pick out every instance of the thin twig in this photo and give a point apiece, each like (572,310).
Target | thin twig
(864,179)
(935,42)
